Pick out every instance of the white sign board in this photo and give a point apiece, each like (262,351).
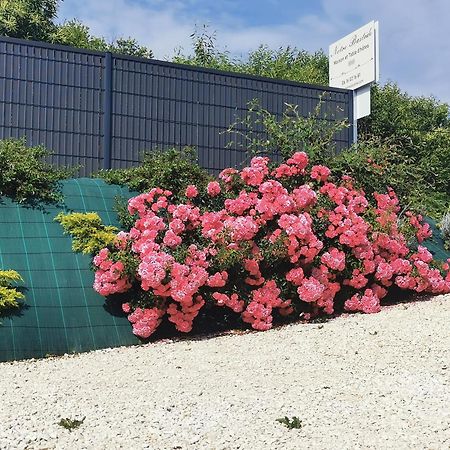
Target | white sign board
(353,59)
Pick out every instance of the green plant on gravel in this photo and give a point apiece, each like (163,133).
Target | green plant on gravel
(170,169)
(70,424)
(89,235)
(25,176)
(295,422)
(9,296)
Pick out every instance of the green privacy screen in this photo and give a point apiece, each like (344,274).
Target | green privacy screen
(436,244)
(62,312)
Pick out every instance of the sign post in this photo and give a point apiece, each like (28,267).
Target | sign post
(354,64)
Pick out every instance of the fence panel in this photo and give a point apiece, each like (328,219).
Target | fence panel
(53,96)
(101,110)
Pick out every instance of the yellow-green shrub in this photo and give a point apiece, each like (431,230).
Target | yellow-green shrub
(89,235)
(9,296)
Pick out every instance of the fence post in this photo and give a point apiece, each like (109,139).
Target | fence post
(107,112)
(353,128)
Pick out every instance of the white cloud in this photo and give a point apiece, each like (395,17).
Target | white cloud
(415,49)
(162,30)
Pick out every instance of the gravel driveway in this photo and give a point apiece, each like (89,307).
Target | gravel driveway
(356,382)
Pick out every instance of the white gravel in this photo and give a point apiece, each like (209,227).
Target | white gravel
(376,381)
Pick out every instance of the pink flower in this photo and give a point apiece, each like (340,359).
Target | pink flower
(295,276)
(177,256)
(227,175)
(171,239)
(213,188)
(254,175)
(320,173)
(191,191)
(334,259)
(310,290)
(219,279)
(368,303)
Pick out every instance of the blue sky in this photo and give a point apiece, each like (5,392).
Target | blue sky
(414,42)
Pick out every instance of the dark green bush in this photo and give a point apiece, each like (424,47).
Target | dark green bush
(25,176)
(421,180)
(261,132)
(171,169)
(376,164)
(420,129)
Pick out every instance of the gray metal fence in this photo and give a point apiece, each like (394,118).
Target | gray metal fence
(102,110)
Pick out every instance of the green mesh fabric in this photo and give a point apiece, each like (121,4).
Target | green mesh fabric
(62,312)
(436,243)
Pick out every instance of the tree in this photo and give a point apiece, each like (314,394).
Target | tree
(34,19)
(397,115)
(420,128)
(288,63)
(76,34)
(28,19)
(130,47)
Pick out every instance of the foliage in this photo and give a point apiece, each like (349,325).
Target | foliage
(286,242)
(25,176)
(419,127)
(125,219)
(9,296)
(403,118)
(76,34)
(70,424)
(288,63)
(375,164)
(88,233)
(131,47)
(35,20)
(171,169)
(295,422)
(262,132)
(28,19)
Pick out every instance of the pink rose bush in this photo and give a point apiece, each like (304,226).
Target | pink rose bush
(284,241)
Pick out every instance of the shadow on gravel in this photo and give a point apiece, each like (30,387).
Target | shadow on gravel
(214,322)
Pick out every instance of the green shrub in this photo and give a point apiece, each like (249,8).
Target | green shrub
(171,169)
(125,219)
(9,296)
(422,184)
(376,164)
(88,233)
(25,176)
(260,131)
(420,128)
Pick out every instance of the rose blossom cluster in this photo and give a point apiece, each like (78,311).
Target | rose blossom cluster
(286,241)
(109,275)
